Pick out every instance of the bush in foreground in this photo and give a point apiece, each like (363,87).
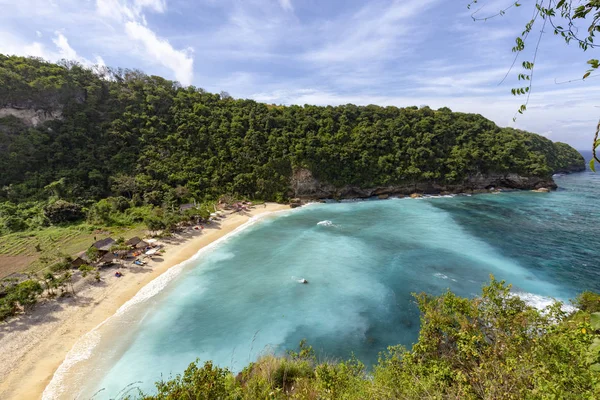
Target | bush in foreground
(491,347)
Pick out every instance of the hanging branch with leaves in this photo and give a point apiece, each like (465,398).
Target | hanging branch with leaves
(563,16)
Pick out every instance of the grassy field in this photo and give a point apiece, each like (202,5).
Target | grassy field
(25,251)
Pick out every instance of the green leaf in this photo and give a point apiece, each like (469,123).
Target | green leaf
(595,346)
(595,367)
(592,166)
(597,143)
(586,74)
(595,321)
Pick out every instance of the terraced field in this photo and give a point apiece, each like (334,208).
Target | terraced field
(21,252)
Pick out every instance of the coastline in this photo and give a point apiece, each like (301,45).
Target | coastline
(35,345)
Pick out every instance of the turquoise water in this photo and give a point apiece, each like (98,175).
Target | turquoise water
(363,260)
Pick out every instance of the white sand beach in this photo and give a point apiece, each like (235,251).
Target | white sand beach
(34,345)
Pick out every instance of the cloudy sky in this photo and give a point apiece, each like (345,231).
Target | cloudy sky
(385,52)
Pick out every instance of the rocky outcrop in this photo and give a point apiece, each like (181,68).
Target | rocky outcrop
(306,186)
(30,117)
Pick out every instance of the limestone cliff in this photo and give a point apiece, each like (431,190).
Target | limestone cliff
(306,186)
(29,116)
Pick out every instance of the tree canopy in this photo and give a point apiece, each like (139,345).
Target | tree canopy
(149,140)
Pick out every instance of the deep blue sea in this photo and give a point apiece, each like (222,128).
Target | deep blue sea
(362,260)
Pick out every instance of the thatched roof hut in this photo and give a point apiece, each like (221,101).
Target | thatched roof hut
(80,260)
(104,245)
(136,243)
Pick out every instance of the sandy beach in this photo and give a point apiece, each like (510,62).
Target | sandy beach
(34,345)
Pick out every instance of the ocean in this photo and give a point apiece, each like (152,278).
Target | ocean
(363,260)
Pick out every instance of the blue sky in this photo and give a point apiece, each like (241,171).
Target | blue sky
(385,52)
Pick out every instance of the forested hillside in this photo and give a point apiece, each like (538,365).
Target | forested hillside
(82,135)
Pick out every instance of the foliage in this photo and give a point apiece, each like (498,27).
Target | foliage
(62,211)
(16,296)
(135,140)
(206,382)
(86,269)
(93,254)
(490,347)
(588,302)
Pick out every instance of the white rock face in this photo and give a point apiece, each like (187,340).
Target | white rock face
(30,117)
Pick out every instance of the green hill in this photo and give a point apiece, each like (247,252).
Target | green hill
(121,132)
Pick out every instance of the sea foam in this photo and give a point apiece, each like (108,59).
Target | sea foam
(541,302)
(327,223)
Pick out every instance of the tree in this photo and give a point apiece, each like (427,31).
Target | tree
(154,223)
(124,185)
(85,270)
(62,211)
(93,254)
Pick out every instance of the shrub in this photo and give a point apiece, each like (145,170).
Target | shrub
(588,302)
(62,211)
(24,294)
(198,382)
(14,224)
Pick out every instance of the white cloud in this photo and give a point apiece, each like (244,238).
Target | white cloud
(13,45)
(38,34)
(100,61)
(64,49)
(155,49)
(373,33)
(161,52)
(286,5)
(124,10)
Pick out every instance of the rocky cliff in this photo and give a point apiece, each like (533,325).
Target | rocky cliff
(29,116)
(305,186)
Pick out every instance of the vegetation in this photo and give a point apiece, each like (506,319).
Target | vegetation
(129,148)
(146,141)
(15,296)
(490,347)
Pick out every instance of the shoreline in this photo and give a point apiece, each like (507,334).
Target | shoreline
(35,345)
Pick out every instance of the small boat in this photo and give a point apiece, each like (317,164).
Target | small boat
(302,280)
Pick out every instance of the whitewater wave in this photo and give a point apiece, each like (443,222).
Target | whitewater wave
(83,348)
(438,196)
(327,223)
(541,302)
(440,275)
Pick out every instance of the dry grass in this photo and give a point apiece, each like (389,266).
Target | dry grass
(22,251)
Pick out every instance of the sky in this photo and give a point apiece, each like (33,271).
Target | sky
(325,52)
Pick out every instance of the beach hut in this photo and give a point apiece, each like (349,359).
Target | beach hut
(81,259)
(104,245)
(133,241)
(108,259)
(136,243)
